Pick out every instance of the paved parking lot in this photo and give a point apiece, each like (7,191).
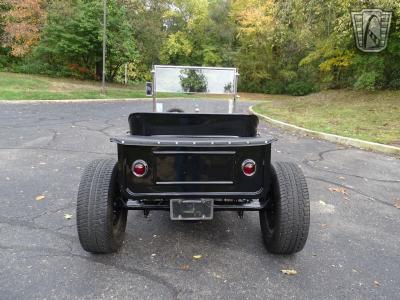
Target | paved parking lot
(353,249)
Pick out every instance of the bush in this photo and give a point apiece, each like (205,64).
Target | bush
(367,81)
(297,88)
(3,61)
(275,87)
(300,88)
(394,80)
(395,84)
(31,66)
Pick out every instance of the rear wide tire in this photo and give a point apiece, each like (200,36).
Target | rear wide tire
(101,222)
(285,220)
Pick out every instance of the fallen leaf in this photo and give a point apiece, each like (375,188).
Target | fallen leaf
(216,275)
(185,267)
(338,190)
(397,204)
(322,202)
(197,256)
(354,270)
(40,198)
(289,272)
(376,283)
(67,216)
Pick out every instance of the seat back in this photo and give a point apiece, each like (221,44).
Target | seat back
(181,124)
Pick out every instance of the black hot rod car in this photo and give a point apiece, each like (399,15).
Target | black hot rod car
(192,165)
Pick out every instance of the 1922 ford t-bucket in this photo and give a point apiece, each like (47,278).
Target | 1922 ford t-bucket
(193,165)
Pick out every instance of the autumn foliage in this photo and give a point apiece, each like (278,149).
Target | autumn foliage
(287,46)
(23,23)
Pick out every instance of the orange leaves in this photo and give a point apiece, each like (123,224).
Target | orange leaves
(338,190)
(397,204)
(254,17)
(23,23)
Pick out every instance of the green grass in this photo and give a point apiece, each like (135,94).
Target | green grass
(371,116)
(33,87)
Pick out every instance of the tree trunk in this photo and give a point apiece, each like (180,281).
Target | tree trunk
(99,70)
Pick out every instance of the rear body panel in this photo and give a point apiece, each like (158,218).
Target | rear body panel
(190,172)
(194,156)
(189,167)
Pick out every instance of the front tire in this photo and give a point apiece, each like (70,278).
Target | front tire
(101,222)
(285,220)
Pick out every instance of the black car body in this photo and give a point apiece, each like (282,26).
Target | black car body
(192,165)
(192,156)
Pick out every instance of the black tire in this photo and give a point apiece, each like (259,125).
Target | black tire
(101,223)
(285,221)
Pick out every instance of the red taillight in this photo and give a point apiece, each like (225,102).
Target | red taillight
(249,167)
(139,168)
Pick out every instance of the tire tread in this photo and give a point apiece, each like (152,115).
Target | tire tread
(94,208)
(293,210)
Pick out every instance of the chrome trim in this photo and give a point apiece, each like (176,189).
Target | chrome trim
(193,68)
(192,182)
(196,136)
(249,161)
(140,161)
(201,194)
(148,141)
(196,152)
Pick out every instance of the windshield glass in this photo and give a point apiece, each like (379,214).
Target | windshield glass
(175,79)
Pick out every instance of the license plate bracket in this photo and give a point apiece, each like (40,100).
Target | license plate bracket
(199,209)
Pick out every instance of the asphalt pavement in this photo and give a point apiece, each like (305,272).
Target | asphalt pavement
(353,250)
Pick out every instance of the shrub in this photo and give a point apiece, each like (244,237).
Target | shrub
(367,81)
(395,84)
(274,87)
(3,61)
(300,88)
(31,66)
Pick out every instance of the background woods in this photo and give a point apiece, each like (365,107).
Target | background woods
(290,46)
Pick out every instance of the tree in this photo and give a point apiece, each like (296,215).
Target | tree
(199,33)
(255,29)
(193,81)
(73,37)
(147,20)
(287,46)
(23,24)
(4,50)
